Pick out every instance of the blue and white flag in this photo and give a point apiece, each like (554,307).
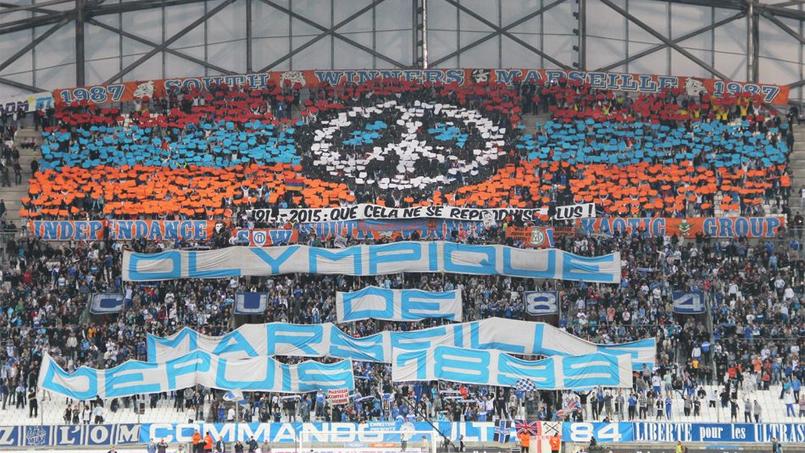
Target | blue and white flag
(503,431)
(490,367)
(106,303)
(249,303)
(373,259)
(260,374)
(374,302)
(233,395)
(327,340)
(541,303)
(688,303)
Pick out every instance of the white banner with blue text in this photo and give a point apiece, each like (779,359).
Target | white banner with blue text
(366,211)
(95,436)
(195,368)
(386,304)
(488,367)
(689,302)
(250,303)
(380,259)
(541,303)
(320,340)
(106,303)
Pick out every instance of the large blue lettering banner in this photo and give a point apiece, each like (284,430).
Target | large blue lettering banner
(720,432)
(320,340)
(379,432)
(198,367)
(68,435)
(434,256)
(487,367)
(688,303)
(346,433)
(603,432)
(373,302)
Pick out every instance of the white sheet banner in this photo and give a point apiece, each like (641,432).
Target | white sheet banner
(106,303)
(319,340)
(28,102)
(198,367)
(541,303)
(485,367)
(365,211)
(393,258)
(374,302)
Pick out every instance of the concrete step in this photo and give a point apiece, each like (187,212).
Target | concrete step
(13,194)
(797,168)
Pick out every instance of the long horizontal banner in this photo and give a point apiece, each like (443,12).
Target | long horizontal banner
(389,432)
(69,436)
(640,83)
(197,367)
(424,229)
(374,302)
(542,237)
(365,211)
(363,260)
(320,340)
(713,227)
(124,230)
(488,367)
(719,432)
(373,432)
(201,230)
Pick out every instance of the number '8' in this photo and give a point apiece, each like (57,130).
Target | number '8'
(97,94)
(470,365)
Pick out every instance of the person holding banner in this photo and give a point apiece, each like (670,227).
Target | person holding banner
(196,442)
(208,443)
(555,442)
(524,437)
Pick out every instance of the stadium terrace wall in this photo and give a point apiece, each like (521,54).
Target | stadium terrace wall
(625,434)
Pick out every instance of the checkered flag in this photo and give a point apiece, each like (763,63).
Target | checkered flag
(525,385)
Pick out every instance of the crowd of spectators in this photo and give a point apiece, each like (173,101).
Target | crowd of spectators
(214,153)
(756,341)
(217,153)
(10,169)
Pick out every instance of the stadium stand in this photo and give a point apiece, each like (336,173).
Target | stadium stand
(674,154)
(215,155)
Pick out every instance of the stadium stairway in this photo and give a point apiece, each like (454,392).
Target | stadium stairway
(797,165)
(530,121)
(12,195)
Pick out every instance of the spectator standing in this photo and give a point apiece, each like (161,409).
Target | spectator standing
(208,443)
(33,404)
(97,414)
(747,410)
(757,411)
